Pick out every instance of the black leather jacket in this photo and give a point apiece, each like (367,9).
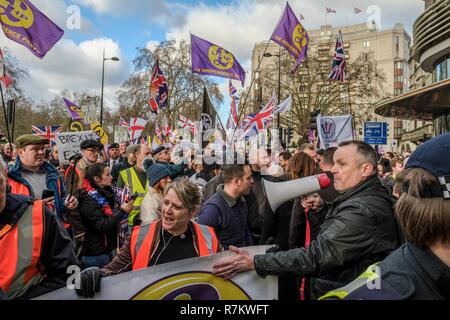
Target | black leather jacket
(358,230)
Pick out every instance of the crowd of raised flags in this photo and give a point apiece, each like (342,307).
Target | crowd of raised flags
(207,59)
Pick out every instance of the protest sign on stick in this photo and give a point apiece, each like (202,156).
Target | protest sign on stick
(68,143)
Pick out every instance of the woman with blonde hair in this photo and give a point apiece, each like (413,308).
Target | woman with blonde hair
(174,237)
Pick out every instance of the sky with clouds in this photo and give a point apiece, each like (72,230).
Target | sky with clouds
(121,26)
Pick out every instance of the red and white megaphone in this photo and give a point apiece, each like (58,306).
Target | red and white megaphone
(279,192)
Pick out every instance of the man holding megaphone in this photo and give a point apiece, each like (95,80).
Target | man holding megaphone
(358,229)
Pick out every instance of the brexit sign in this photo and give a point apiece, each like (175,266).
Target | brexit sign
(375,133)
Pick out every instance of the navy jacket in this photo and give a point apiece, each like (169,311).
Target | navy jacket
(229,222)
(52,177)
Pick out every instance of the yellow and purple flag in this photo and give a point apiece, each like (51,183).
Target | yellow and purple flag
(75,111)
(290,34)
(210,59)
(23,23)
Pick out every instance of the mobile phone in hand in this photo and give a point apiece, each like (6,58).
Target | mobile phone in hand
(47,194)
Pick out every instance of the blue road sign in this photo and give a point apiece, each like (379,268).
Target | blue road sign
(375,133)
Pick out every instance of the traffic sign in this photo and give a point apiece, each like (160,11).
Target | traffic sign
(375,133)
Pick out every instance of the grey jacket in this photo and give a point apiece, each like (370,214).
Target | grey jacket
(358,230)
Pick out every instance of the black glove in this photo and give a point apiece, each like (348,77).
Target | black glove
(90,282)
(275,248)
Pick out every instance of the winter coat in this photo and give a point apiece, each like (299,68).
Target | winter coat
(358,230)
(53,182)
(100,230)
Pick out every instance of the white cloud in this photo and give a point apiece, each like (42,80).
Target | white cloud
(74,67)
(151,45)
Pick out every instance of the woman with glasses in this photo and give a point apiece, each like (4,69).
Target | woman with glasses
(174,237)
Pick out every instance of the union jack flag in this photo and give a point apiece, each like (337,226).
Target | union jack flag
(233,118)
(4,76)
(158,89)
(47,132)
(357,10)
(257,122)
(329,10)
(123,123)
(158,132)
(339,64)
(231,89)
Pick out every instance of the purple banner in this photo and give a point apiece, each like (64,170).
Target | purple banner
(23,23)
(74,110)
(210,59)
(290,34)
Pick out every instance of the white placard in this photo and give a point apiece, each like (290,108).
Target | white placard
(121,134)
(90,114)
(68,143)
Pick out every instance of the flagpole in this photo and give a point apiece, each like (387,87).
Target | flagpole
(248,92)
(6,118)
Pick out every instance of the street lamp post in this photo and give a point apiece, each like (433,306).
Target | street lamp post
(103,84)
(268,55)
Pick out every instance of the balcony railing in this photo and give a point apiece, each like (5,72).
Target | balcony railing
(431,28)
(419,134)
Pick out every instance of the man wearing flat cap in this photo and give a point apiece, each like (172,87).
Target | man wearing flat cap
(161,155)
(32,176)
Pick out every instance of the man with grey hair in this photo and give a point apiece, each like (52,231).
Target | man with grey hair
(358,229)
(33,242)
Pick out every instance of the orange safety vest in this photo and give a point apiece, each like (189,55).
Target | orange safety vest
(20,250)
(22,189)
(142,243)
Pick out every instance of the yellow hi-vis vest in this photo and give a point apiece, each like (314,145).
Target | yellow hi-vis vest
(131,179)
(368,276)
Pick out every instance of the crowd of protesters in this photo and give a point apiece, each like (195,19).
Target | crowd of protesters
(131,207)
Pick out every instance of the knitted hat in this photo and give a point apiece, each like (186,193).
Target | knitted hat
(433,156)
(155,172)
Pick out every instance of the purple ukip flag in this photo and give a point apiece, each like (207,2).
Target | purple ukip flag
(23,23)
(291,35)
(210,59)
(74,110)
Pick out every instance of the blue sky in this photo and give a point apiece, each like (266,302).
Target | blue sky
(120,26)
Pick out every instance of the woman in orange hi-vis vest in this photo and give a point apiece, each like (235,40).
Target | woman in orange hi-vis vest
(174,237)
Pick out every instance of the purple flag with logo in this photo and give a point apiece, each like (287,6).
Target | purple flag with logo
(291,35)
(23,23)
(74,110)
(210,59)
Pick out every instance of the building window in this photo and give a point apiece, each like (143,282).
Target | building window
(398,78)
(397,46)
(257,76)
(399,65)
(441,124)
(398,91)
(256,87)
(442,70)
(366,44)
